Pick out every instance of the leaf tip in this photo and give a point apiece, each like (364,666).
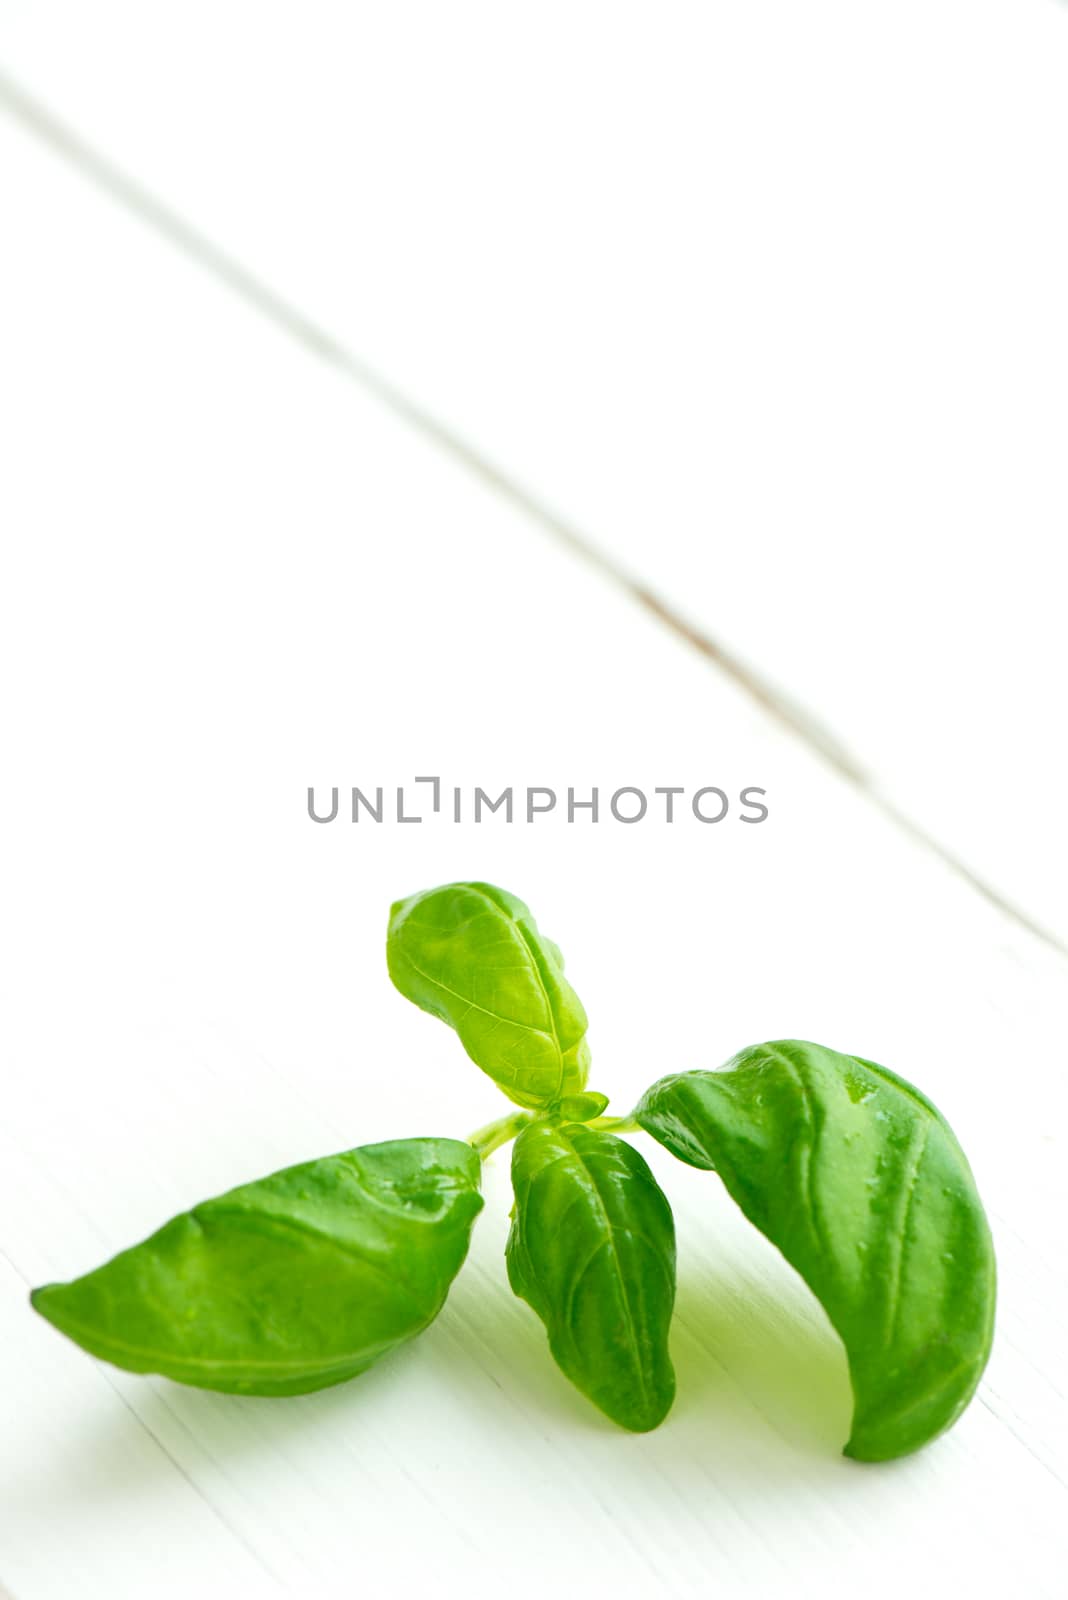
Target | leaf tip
(42,1300)
(646,1413)
(854,1449)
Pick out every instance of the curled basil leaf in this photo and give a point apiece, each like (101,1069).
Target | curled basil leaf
(860,1183)
(472,955)
(582,1107)
(592,1250)
(290,1284)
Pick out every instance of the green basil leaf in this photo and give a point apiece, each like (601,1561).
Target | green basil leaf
(860,1183)
(290,1284)
(592,1250)
(582,1107)
(472,955)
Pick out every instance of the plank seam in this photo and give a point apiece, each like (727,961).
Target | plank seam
(136,199)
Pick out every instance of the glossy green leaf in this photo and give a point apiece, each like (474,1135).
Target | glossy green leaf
(582,1107)
(472,955)
(860,1183)
(592,1250)
(290,1284)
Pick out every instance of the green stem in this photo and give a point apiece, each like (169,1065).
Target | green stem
(494,1134)
(615,1125)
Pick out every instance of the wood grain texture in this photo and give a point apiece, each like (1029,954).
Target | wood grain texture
(234,577)
(766,338)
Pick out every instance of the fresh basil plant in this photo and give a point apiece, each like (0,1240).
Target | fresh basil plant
(305,1278)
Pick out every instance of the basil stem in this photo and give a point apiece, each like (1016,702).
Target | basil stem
(495,1134)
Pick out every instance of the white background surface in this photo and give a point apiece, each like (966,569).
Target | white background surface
(768,297)
(769,300)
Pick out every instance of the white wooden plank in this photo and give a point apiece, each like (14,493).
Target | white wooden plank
(231,576)
(91,1503)
(768,298)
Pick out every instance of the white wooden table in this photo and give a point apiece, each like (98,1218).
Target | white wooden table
(766,303)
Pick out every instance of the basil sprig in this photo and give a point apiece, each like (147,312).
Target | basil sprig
(307,1277)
